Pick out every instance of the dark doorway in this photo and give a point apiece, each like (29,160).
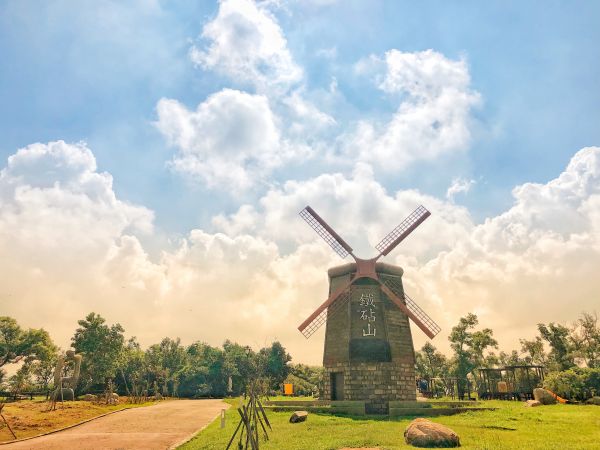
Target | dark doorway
(337,385)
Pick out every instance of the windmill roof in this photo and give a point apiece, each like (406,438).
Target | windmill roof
(380,267)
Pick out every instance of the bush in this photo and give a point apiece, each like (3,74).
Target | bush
(577,383)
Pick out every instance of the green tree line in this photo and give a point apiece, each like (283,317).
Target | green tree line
(168,368)
(569,354)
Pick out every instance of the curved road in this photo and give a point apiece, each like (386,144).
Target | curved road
(153,427)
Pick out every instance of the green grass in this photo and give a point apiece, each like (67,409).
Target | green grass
(512,426)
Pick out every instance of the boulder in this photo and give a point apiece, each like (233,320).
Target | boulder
(532,403)
(90,398)
(64,394)
(299,416)
(424,433)
(543,396)
(593,401)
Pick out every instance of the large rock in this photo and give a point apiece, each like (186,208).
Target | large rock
(424,433)
(593,401)
(543,396)
(299,416)
(532,403)
(64,394)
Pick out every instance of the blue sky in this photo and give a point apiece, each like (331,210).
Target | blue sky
(93,71)
(520,101)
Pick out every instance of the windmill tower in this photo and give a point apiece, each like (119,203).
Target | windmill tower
(369,354)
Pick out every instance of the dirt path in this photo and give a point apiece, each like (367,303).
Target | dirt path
(154,427)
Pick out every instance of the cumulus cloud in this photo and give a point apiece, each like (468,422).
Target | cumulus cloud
(51,195)
(235,139)
(533,263)
(73,247)
(433,116)
(230,141)
(247,44)
(459,185)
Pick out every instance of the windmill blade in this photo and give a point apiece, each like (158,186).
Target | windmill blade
(326,232)
(399,233)
(410,308)
(334,303)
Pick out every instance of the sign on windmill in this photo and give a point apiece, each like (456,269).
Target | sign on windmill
(369,354)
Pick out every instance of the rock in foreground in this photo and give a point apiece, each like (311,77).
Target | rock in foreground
(543,396)
(299,416)
(532,403)
(593,401)
(424,433)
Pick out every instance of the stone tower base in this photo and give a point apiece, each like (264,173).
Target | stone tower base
(376,383)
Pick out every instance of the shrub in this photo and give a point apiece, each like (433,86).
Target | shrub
(577,383)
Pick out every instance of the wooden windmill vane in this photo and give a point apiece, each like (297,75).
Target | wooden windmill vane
(369,353)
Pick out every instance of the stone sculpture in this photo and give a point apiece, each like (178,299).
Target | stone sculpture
(65,386)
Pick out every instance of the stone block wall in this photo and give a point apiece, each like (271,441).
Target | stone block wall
(375,383)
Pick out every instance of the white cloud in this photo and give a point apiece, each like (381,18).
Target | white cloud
(533,263)
(247,45)
(433,116)
(230,141)
(234,140)
(459,185)
(72,247)
(51,195)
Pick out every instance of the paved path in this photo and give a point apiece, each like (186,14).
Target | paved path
(154,427)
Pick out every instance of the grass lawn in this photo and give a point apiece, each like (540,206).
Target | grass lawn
(31,417)
(512,426)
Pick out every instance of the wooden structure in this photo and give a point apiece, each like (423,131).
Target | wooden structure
(509,382)
(252,415)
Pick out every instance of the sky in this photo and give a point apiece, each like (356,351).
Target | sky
(154,157)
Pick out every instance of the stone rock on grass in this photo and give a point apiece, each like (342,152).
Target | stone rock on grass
(424,433)
(299,416)
(593,401)
(543,396)
(532,403)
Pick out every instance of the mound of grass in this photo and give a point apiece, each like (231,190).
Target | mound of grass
(511,426)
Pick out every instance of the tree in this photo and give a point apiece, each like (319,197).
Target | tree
(241,364)
(430,362)
(21,381)
(101,346)
(534,351)
(585,337)
(166,361)
(131,368)
(17,344)
(510,359)
(561,348)
(43,372)
(307,380)
(204,373)
(276,366)
(468,347)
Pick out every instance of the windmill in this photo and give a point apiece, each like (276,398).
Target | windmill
(369,354)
